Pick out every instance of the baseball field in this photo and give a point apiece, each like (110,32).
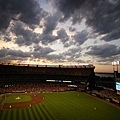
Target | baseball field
(56,106)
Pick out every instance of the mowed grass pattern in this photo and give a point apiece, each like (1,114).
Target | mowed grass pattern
(65,106)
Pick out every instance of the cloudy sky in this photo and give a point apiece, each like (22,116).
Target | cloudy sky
(60,32)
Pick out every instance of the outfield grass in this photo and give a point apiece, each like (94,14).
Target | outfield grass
(65,106)
(12,98)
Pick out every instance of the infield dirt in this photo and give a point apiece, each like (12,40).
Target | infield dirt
(36,99)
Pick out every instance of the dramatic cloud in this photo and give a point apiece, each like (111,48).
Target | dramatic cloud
(105,50)
(104,18)
(69,43)
(19,19)
(24,36)
(9,54)
(101,15)
(47,38)
(72,54)
(71,29)
(45,50)
(51,22)
(56,58)
(28,11)
(41,52)
(68,7)
(62,35)
(59,31)
(80,37)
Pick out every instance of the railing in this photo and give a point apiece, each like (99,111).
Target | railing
(54,66)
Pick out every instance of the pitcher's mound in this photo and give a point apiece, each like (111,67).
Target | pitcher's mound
(17,98)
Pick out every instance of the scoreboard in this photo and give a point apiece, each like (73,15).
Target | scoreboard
(117,83)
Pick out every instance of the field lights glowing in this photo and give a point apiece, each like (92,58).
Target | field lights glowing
(116,63)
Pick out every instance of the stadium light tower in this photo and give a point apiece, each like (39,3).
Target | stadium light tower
(118,63)
(115,70)
(115,65)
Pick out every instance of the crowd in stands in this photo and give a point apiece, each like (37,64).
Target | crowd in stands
(9,69)
(107,94)
(34,87)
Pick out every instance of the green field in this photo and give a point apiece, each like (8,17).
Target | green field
(12,98)
(65,106)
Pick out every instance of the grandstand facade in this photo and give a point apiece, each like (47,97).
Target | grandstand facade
(31,73)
